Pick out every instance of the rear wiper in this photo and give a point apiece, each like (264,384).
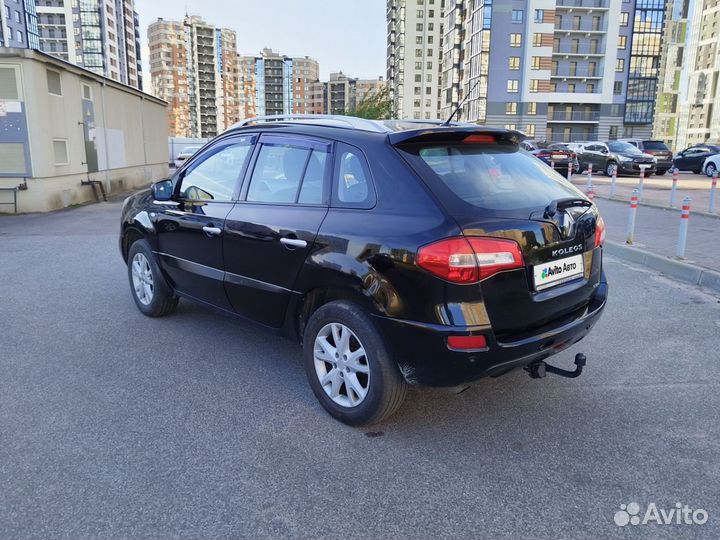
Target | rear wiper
(552,208)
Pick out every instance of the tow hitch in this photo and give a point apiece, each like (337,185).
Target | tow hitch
(538,370)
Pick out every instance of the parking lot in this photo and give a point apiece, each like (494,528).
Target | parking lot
(202,426)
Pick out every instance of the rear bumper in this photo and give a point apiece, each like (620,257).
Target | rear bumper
(424,359)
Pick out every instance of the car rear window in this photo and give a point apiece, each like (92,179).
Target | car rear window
(497,177)
(655,145)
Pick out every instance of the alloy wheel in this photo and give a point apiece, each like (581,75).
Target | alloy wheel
(710,169)
(611,169)
(341,365)
(142,279)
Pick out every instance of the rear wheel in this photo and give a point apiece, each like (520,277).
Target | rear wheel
(152,295)
(697,171)
(710,169)
(611,168)
(660,172)
(349,367)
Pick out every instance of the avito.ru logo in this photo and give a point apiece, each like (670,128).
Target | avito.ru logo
(631,514)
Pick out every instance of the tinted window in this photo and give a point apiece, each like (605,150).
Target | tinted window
(286,173)
(655,145)
(353,186)
(214,174)
(618,146)
(495,177)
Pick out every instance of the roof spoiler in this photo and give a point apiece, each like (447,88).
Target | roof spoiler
(454,134)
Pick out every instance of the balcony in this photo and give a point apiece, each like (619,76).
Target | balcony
(579,51)
(588,117)
(568,73)
(581,4)
(585,27)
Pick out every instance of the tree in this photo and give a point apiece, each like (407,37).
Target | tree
(375,105)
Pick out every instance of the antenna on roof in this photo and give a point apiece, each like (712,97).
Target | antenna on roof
(460,105)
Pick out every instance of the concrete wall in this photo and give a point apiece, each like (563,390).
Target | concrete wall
(128,130)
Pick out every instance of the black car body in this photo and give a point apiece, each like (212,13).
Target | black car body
(447,241)
(658,149)
(557,155)
(693,157)
(616,157)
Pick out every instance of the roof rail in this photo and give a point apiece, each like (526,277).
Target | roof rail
(336,120)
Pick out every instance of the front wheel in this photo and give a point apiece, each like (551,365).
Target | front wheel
(710,169)
(152,295)
(611,168)
(349,367)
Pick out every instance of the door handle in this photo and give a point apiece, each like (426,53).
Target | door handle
(212,230)
(293,242)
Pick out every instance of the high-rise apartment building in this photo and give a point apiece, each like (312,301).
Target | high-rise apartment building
(414,51)
(193,66)
(18,24)
(342,94)
(672,66)
(556,69)
(700,111)
(100,35)
(272,83)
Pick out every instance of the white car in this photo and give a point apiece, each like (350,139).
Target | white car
(712,164)
(185,154)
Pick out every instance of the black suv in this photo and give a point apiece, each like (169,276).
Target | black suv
(659,149)
(397,252)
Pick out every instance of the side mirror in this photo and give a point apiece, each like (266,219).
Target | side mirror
(604,151)
(162,190)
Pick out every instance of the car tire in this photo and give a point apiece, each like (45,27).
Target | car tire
(710,169)
(375,388)
(661,172)
(610,168)
(697,171)
(151,293)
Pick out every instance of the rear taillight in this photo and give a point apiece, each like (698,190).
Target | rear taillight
(573,155)
(468,260)
(599,231)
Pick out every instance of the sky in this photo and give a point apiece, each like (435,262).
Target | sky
(347,35)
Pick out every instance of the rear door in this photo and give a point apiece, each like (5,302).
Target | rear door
(272,228)
(492,190)
(189,229)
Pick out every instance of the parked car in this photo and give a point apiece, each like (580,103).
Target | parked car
(185,154)
(556,153)
(693,158)
(398,252)
(658,149)
(615,157)
(711,165)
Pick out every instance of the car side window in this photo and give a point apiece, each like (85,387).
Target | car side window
(287,173)
(352,185)
(214,174)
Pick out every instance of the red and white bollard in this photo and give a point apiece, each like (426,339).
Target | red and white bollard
(591,193)
(631,218)
(682,235)
(589,175)
(642,180)
(552,164)
(570,170)
(673,191)
(613,185)
(713,188)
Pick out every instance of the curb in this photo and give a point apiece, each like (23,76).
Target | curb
(659,206)
(678,270)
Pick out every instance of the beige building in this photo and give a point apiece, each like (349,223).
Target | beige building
(342,94)
(61,125)
(193,66)
(414,40)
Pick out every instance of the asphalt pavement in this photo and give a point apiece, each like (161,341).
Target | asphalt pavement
(114,425)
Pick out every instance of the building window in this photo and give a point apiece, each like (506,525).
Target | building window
(624,18)
(514,63)
(60,151)
(510,126)
(622,42)
(419,27)
(539,15)
(532,108)
(613,132)
(620,65)
(513,85)
(530,131)
(534,85)
(617,89)
(86,91)
(418,52)
(517,16)
(590,88)
(516,40)
(535,62)
(537,39)
(571,88)
(53,83)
